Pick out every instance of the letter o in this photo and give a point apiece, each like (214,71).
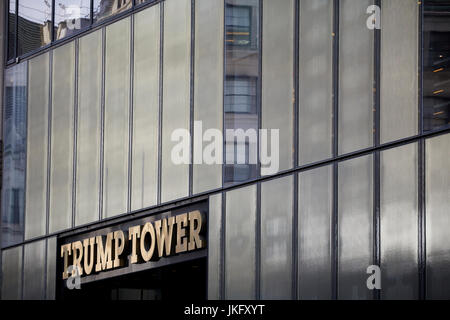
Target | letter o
(147,255)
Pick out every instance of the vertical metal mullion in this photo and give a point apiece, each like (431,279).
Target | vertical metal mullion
(224,81)
(259,87)
(335,218)
(191,101)
(420,80)
(75,135)
(131,116)
(258,243)
(53,38)
(16,33)
(422,220)
(102,123)
(91,12)
(295,274)
(376,237)
(223,248)
(161,98)
(49,141)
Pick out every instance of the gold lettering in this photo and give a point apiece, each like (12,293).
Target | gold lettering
(147,255)
(77,248)
(88,254)
(119,245)
(66,251)
(182,220)
(104,256)
(164,236)
(133,234)
(194,230)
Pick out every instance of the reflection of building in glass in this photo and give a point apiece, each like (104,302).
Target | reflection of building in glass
(242,79)
(14,155)
(436,65)
(106,8)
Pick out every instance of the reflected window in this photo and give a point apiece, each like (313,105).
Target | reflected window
(238,22)
(14,154)
(240,96)
(436,73)
(106,8)
(35,21)
(12,29)
(71,16)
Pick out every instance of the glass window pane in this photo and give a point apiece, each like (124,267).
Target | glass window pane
(35,25)
(314,233)
(51,268)
(240,252)
(12,274)
(208,92)
(399,218)
(214,246)
(12,29)
(37,142)
(89,126)
(241,88)
(34,271)
(106,8)
(399,69)
(61,172)
(117,102)
(315,76)
(146,108)
(176,96)
(355,84)
(437,217)
(436,59)
(71,16)
(278,82)
(355,194)
(14,154)
(276,238)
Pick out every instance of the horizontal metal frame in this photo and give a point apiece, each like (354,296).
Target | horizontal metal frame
(94,26)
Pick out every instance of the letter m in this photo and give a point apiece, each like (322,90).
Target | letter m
(104,254)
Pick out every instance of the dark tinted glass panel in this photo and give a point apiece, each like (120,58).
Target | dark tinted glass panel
(107,8)
(436,57)
(71,16)
(35,24)
(14,154)
(242,78)
(11,29)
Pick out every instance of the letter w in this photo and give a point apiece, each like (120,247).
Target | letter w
(164,236)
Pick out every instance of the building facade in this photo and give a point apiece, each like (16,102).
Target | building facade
(245,149)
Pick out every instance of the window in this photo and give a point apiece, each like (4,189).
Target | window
(71,16)
(12,29)
(238,22)
(35,21)
(436,72)
(106,8)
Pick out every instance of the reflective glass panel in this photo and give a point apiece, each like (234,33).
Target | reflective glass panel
(240,252)
(144,189)
(241,89)
(355,194)
(315,196)
(89,126)
(208,91)
(12,29)
(399,218)
(71,16)
(117,105)
(62,141)
(436,69)
(14,154)
(12,274)
(176,98)
(437,217)
(37,142)
(34,271)
(35,25)
(315,77)
(399,69)
(106,8)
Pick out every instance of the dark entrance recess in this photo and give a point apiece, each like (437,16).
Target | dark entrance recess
(182,281)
